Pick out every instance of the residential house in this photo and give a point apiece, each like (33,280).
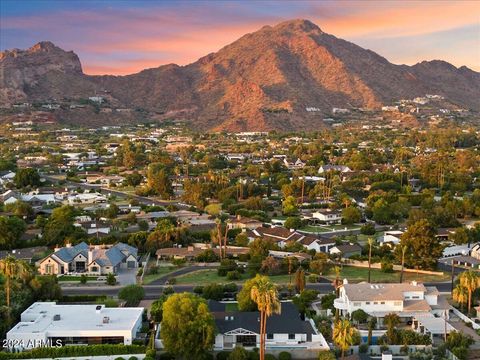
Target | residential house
(326,216)
(82,258)
(340,168)
(285,330)
(346,250)
(47,324)
(241,222)
(391,237)
(414,303)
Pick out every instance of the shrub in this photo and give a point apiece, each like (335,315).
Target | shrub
(313,278)
(111,279)
(172,281)
(270,357)
(230,287)
(153,270)
(119,358)
(363,348)
(140,272)
(368,229)
(198,289)
(284,355)
(383,348)
(73,351)
(83,279)
(223,355)
(233,275)
(168,290)
(151,352)
(213,292)
(387,267)
(132,358)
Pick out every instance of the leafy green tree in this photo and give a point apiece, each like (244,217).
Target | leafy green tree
(422,247)
(156,310)
(326,355)
(359,316)
(111,279)
(11,229)
(351,215)
(59,225)
(26,177)
(188,327)
(213,291)
(131,294)
(133,179)
(305,299)
(158,180)
(391,321)
(239,353)
(289,206)
(293,222)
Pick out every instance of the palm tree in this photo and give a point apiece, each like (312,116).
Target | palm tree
(343,335)
(404,250)
(471,281)
(264,294)
(460,295)
(12,268)
(372,322)
(391,320)
(370,243)
(300,280)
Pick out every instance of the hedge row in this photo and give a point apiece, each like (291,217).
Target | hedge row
(91,350)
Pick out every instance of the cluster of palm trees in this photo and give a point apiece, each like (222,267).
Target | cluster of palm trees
(11,269)
(468,282)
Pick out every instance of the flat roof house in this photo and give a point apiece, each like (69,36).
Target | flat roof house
(286,330)
(49,324)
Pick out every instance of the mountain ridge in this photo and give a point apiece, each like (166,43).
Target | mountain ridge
(265,80)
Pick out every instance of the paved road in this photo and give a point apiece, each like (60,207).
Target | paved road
(154,291)
(107,191)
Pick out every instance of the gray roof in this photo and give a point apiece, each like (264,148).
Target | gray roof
(288,322)
(127,249)
(67,254)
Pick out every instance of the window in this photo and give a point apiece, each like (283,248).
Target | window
(357,304)
(375,303)
(397,303)
(270,336)
(291,336)
(368,303)
(383,303)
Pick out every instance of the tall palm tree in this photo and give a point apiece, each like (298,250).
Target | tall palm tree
(343,335)
(460,295)
(372,322)
(370,243)
(12,268)
(404,250)
(264,294)
(391,320)
(471,281)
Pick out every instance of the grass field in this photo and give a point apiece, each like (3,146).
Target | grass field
(356,274)
(162,271)
(203,277)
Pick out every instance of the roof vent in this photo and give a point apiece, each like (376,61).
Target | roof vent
(56,317)
(98,309)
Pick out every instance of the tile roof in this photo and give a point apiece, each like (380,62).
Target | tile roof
(376,292)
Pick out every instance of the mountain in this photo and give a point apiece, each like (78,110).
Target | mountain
(263,81)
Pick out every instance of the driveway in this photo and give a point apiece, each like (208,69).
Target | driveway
(127,276)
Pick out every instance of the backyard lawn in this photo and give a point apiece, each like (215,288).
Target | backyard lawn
(356,274)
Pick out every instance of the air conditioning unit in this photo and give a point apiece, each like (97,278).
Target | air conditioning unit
(106,319)
(56,317)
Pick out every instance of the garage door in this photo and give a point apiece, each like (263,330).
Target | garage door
(131,264)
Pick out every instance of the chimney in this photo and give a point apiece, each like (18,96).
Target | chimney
(89,256)
(414,283)
(68,245)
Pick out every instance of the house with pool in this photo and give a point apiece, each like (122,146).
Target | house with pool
(419,307)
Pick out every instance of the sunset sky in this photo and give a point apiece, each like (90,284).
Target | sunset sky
(123,37)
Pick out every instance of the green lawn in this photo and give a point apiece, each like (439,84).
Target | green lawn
(75,278)
(162,271)
(204,277)
(356,274)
